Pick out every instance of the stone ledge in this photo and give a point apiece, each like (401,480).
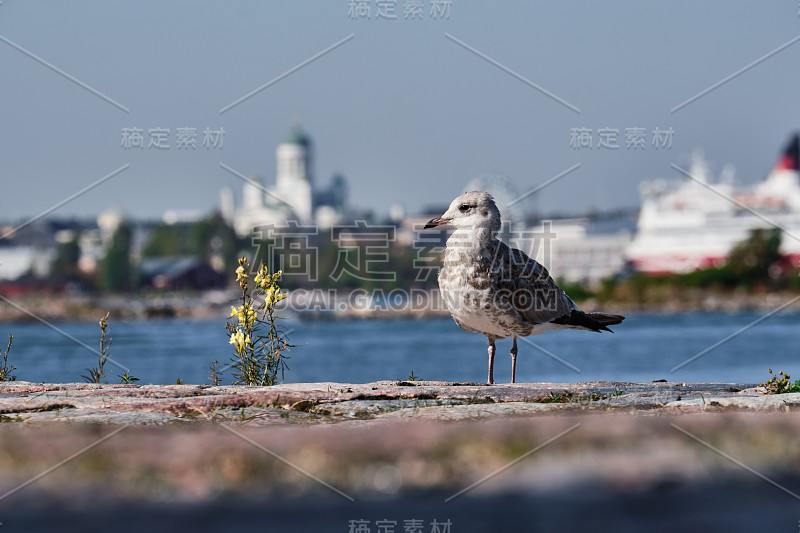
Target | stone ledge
(312,403)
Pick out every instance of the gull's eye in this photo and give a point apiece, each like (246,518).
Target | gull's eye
(463,208)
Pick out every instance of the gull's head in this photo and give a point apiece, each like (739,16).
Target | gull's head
(474,209)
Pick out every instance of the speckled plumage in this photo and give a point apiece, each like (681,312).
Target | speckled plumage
(498,291)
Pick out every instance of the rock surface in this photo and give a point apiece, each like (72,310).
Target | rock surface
(312,403)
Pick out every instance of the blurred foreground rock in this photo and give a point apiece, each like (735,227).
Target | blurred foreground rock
(598,456)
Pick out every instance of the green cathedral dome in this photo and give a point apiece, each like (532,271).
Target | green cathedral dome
(298,136)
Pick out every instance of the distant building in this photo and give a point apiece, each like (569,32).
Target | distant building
(17,261)
(27,250)
(294,196)
(580,252)
(182,216)
(94,241)
(227,206)
(175,273)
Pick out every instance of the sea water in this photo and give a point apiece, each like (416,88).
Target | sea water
(686,347)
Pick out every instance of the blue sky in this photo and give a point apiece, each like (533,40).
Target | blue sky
(404,112)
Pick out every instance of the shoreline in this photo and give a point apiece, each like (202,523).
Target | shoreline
(216,306)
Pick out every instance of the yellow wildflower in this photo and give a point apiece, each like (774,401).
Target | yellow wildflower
(269,295)
(240,340)
(263,279)
(273,295)
(244,313)
(236,339)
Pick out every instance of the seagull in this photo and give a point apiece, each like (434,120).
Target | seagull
(498,291)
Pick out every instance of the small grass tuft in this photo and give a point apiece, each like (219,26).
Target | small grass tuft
(96,374)
(214,374)
(7,368)
(474,400)
(571,397)
(127,379)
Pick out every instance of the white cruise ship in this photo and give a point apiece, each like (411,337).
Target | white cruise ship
(693,223)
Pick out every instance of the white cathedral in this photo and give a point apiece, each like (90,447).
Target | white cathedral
(293,198)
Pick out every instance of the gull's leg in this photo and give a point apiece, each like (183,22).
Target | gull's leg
(491,362)
(514,361)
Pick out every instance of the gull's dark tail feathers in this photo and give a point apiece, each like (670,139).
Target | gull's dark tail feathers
(591,321)
(605,319)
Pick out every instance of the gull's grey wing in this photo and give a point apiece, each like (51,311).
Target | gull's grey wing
(529,287)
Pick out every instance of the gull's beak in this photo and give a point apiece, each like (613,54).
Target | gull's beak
(438,221)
